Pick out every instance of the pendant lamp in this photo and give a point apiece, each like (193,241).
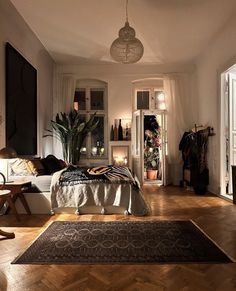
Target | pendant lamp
(126,49)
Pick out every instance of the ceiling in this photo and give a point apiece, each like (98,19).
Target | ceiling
(81,31)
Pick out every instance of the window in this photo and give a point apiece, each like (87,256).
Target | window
(149,99)
(80,99)
(91,97)
(143,99)
(159,97)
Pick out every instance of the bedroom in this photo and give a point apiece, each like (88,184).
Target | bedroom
(199,57)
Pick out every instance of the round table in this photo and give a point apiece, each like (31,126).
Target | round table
(5,194)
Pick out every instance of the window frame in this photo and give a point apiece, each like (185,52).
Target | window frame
(152,101)
(88,85)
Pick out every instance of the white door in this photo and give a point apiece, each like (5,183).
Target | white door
(137,145)
(232,126)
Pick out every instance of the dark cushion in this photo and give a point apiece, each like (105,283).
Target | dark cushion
(51,164)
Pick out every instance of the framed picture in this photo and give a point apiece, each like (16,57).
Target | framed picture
(21,103)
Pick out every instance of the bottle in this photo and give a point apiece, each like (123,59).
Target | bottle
(112,133)
(126,132)
(120,131)
(115,132)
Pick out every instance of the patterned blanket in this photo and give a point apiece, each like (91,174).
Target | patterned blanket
(103,174)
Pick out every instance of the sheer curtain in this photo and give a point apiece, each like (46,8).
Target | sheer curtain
(180,118)
(64,92)
(68,93)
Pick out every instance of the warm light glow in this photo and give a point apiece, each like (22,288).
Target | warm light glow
(76,106)
(161,97)
(83,150)
(120,161)
(162,106)
(94,150)
(120,155)
(4,168)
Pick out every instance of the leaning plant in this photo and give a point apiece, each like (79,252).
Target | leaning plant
(71,132)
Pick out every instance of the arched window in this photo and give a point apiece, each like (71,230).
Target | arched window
(90,97)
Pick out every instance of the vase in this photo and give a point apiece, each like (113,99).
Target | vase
(151,174)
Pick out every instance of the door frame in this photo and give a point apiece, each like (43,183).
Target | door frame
(139,158)
(226,132)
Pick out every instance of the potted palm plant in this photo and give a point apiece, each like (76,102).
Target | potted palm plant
(71,131)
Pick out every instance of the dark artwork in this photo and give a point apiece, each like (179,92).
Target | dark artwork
(69,242)
(21,103)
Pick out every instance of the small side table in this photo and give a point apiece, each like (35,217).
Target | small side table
(5,194)
(12,191)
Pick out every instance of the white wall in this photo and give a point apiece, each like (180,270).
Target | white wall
(219,55)
(119,78)
(14,29)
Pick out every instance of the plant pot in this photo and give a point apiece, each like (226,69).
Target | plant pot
(152,174)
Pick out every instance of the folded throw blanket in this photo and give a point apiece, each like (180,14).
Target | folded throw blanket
(103,174)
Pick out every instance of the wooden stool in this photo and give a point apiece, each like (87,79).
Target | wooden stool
(5,195)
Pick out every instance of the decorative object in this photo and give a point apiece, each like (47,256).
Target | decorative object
(126,48)
(115,131)
(120,131)
(152,151)
(125,126)
(6,154)
(21,103)
(71,132)
(76,242)
(120,153)
(112,133)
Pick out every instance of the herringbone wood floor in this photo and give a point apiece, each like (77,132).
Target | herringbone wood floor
(215,216)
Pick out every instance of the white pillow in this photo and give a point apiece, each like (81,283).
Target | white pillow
(18,167)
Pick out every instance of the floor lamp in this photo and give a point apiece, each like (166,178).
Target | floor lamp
(6,153)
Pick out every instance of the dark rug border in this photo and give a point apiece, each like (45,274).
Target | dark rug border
(125,263)
(215,243)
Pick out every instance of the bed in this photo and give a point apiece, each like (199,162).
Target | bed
(60,189)
(104,189)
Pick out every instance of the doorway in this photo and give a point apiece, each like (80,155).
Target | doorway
(152,147)
(149,159)
(228,130)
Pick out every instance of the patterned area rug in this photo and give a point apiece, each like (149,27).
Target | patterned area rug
(67,242)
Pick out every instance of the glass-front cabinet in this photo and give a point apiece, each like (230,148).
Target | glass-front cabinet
(91,97)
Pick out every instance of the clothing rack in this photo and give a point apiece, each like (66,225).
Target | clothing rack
(194,150)
(201,127)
